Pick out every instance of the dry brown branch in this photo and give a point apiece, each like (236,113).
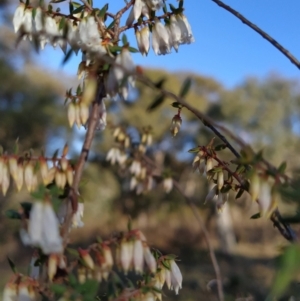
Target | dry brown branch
(92,124)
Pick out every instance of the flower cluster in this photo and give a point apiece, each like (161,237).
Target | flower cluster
(169,273)
(79,104)
(43,229)
(175,32)
(206,164)
(120,76)
(28,170)
(133,251)
(141,172)
(141,176)
(263,193)
(48,27)
(97,268)
(20,288)
(143,7)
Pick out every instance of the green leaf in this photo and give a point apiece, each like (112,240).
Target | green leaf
(73,280)
(12,214)
(172,8)
(159,84)
(103,11)
(157,102)
(282,167)
(124,39)
(58,289)
(78,10)
(67,56)
(89,288)
(12,265)
(289,265)
(180,4)
(111,25)
(185,87)
(72,252)
(62,23)
(176,105)
(115,48)
(255,216)
(26,206)
(220,147)
(71,8)
(166,264)
(194,150)
(133,50)
(170,256)
(240,193)
(57,1)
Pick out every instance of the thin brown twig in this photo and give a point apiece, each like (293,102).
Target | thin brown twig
(74,193)
(118,18)
(207,240)
(208,122)
(266,36)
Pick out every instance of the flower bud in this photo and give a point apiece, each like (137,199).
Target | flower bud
(60,179)
(126,255)
(81,274)
(176,277)
(150,260)
(254,186)
(168,184)
(264,198)
(50,176)
(71,113)
(43,169)
(13,166)
(70,175)
(220,179)
(83,112)
(176,124)
(52,266)
(19,177)
(2,163)
(78,116)
(5,179)
(209,164)
(138,256)
(87,259)
(211,194)
(107,256)
(28,176)
(143,40)
(64,163)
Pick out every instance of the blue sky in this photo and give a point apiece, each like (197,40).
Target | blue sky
(225,48)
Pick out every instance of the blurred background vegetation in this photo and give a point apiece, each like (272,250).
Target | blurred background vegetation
(264,113)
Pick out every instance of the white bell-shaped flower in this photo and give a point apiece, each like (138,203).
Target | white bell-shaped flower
(176,277)
(155,4)
(160,38)
(18,17)
(143,40)
(43,229)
